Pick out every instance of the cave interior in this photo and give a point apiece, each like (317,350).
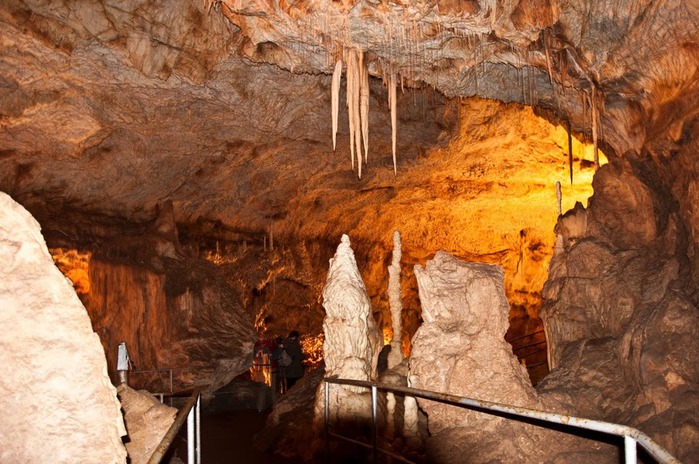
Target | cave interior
(193,166)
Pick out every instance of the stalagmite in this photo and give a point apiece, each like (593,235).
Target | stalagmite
(460,349)
(335,90)
(352,339)
(559,197)
(395,356)
(390,413)
(57,402)
(411,430)
(392,103)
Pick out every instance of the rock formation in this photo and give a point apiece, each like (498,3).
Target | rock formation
(460,349)
(622,330)
(54,389)
(147,422)
(173,311)
(395,357)
(352,340)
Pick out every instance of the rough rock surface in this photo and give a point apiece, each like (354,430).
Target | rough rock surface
(460,349)
(623,329)
(108,111)
(54,385)
(173,311)
(147,422)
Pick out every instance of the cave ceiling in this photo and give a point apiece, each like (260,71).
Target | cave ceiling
(110,108)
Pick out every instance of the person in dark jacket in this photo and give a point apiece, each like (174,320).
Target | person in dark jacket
(293,371)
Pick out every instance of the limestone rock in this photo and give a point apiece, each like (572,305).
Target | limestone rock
(57,388)
(147,422)
(462,339)
(395,356)
(461,350)
(622,332)
(352,342)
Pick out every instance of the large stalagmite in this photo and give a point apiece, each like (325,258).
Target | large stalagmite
(351,337)
(56,399)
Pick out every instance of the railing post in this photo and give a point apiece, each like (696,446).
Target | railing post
(190,436)
(197,421)
(376,425)
(326,421)
(629,450)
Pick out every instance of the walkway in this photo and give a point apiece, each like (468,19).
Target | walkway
(227,437)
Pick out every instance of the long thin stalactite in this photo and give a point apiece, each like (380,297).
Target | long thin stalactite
(335,97)
(392,85)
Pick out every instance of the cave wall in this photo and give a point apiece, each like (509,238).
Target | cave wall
(620,304)
(173,310)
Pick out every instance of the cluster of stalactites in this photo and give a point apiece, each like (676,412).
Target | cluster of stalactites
(358,106)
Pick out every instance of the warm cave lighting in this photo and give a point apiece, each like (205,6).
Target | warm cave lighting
(312,347)
(74,264)
(387,335)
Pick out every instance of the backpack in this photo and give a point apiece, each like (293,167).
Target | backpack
(284,358)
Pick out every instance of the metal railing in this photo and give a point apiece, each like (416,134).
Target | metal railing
(631,436)
(191,413)
(167,389)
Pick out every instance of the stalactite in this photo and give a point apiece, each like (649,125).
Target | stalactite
(356,112)
(392,101)
(564,71)
(351,71)
(364,104)
(559,197)
(548,59)
(335,90)
(357,79)
(584,101)
(594,126)
(570,151)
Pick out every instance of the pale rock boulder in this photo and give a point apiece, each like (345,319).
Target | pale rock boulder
(465,319)
(56,399)
(147,422)
(460,349)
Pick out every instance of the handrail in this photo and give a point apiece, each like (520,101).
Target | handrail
(631,435)
(170,370)
(530,334)
(190,412)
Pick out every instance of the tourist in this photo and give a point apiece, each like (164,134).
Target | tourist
(294,370)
